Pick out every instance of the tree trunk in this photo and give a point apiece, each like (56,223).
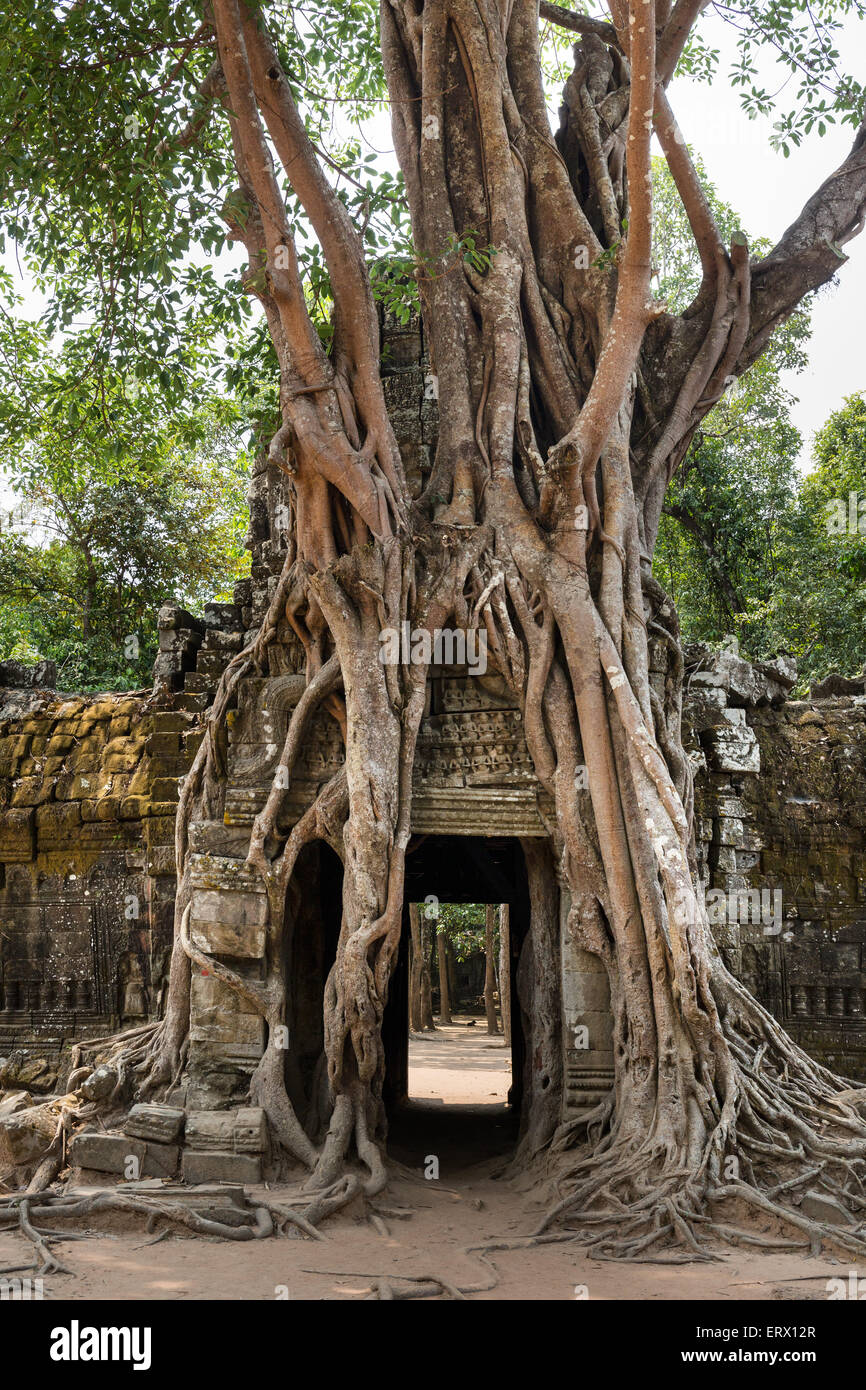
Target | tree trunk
(426,987)
(453,991)
(415,965)
(444,989)
(505,970)
(490,969)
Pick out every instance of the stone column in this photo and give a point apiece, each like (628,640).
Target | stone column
(228,919)
(587,1023)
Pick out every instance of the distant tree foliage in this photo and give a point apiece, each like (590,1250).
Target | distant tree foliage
(818,608)
(745,548)
(463,925)
(110,510)
(750,547)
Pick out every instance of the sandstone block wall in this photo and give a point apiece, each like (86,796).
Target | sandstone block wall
(87,875)
(780,800)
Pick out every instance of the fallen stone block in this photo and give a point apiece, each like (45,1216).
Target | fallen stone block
(160,1161)
(173,618)
(24,1072)
(15,673)
(835,685)
(25,1136)
(781,668)
(109,1153)
(13,1102)
(213,1166)
(160,1123)
(251,1130)
(231,1131)
(211,1129)
(765,683)
(120,1153)
(99,1084)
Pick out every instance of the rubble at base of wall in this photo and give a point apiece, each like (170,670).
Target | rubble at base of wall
(152,1141)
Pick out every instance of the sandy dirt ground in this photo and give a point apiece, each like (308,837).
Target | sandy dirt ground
(459,1065)
(459,1078)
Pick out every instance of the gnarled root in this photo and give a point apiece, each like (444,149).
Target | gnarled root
(785,1128)
(350,1119)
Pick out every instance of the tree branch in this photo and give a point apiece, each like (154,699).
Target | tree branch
(356,322)
(310,397)
(691,523)
(330,220)
(579,23)
(809,253)
(633,309)
(254,156)
(692,195)
(675,36)
(209,90)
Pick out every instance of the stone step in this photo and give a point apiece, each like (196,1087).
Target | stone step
(118,1153)
(200,1197)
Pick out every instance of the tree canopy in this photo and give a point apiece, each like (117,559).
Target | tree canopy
(123,239)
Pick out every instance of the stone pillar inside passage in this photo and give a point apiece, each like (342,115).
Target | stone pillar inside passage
(587,1023)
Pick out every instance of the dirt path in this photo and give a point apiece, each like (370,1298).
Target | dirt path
(431,1241)
(460,1064)
(458,1081)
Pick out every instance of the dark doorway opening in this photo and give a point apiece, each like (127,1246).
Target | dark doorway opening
(452,869)
(313,913)
(456,869)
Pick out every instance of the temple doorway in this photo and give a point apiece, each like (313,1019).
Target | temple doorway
(455,1090)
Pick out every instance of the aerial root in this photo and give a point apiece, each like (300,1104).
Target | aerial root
(139,1056)
(635,1208)
(816,1231)
(348,1120)
(490,1247)
(378,1224)
(333,1198)
(297,1215)
(784,1123)
(418,1286)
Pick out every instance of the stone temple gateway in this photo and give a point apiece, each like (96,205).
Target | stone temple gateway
(90,786)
